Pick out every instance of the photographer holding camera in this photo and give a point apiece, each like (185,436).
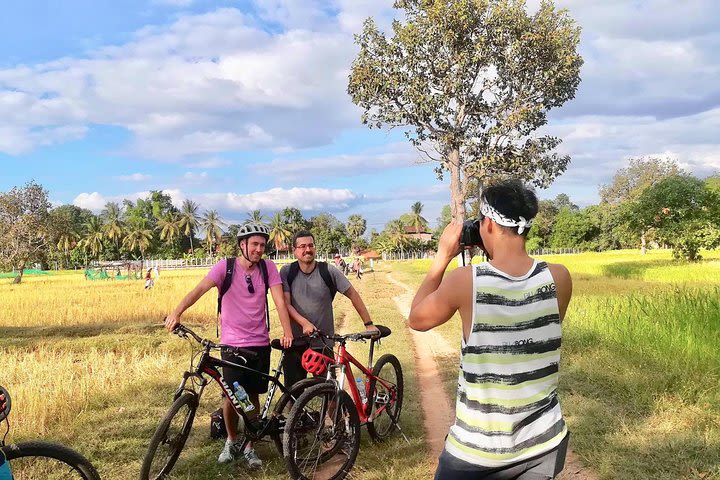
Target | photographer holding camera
(508,420)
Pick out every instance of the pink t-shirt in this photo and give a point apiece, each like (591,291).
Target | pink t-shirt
(242,320)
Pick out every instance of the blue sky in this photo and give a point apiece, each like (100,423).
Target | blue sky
(241,105)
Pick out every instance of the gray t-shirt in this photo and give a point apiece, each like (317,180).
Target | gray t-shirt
(311,297)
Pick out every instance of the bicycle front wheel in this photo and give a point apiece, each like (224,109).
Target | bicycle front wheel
(322,434)
(169,438)
(386,395)
(285,404)
(46,461)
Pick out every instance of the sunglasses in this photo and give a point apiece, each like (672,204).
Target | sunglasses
(248,280)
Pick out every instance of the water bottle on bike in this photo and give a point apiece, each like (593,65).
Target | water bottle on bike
(242,398)
(361,389)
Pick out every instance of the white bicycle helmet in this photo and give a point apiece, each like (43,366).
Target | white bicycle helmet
(248,229)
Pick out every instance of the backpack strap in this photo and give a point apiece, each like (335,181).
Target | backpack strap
(227,281)
(266,281)
(328,278)
(292,273)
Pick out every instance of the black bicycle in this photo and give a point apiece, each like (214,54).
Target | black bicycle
(170,436)
(39,460)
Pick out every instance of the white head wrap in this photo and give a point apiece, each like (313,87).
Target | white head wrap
(501,219)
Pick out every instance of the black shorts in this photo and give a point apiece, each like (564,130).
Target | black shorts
(543,467)
(251,382)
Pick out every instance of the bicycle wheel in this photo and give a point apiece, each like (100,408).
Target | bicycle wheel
(285,404)
(386,394)
(169,438)
(47,461)
(322,434)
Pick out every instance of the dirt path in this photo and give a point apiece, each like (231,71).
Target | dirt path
(437,408)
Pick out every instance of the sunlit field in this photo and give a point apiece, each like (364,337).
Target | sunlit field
(88,364)
(640,375)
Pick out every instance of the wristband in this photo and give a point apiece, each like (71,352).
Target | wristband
(368,323)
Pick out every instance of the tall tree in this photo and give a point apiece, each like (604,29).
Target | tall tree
(169,227)
(474,79)
(417,221)
(629,183)
(294,219)
(24,226)
(189,220)
(256,216)
(93,237)
(356,226)
(212,224)
(138,236)
(280,234)
(112,223)
(443,220)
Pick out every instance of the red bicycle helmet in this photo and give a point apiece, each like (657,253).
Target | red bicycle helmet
(315,362)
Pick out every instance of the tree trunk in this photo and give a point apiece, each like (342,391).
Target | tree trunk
(642,243)
(457,202)
(192,250)
(19,275)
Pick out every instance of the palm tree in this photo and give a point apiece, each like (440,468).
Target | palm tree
(280,234)
(396,234)
(169,227)
(94,236)
(189,220)
(356,226)
(138,236)
(417,221)
(211,223)
(256,216)
(67,241)
(113,225)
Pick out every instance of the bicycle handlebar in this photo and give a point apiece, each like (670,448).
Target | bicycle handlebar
(182,331)
(372,335)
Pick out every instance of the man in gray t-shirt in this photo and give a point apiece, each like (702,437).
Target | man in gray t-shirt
(309,299)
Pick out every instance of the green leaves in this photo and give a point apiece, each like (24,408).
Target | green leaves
(472,77)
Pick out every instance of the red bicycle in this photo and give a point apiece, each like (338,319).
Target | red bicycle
(321,438)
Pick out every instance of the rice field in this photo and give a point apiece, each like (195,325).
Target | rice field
(88,364)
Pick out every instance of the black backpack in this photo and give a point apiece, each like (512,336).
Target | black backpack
(324,273)
(227,281)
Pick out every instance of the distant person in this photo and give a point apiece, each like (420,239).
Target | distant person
(508,420)
(309,287)
(243,317)
(341,264)
(357,267)
(148,279)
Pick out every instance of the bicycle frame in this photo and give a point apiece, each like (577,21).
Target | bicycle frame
(208,365)
(344,361)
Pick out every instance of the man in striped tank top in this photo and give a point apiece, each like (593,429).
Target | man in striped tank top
(508,422)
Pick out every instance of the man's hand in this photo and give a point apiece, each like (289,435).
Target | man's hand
(449,243)
(286,339)
(372,328)
(2,402)
(307,327)
(172,321)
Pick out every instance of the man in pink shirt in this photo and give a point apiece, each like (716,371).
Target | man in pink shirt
(242,320)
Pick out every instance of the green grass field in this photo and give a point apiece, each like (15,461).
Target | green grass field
(640,375)
(89,365)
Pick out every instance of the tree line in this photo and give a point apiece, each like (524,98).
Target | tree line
(68,236)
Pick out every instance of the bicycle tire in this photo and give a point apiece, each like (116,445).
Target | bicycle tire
(341,441)
(284,405)
(382,426)
(175,443)
(25,462)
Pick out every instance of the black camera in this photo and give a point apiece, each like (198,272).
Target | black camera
(470,235)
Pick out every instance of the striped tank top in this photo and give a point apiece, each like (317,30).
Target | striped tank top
(507,408)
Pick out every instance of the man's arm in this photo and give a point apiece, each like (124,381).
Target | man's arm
(360,307)
(437,300)
(200,289)
(307,326)
(563,286)
(279,298)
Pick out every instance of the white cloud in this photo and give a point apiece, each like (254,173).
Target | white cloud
(96,201)
(214,162)
(193,177)
(370,161)
(306,199)
(135,177)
